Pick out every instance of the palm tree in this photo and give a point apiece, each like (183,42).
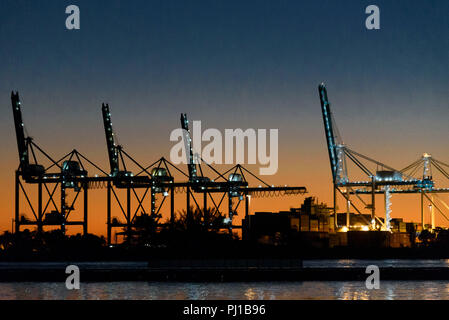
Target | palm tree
(199,220)
(145,228)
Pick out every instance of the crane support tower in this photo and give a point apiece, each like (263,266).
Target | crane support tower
(235,186)
(66,177)
(381,180)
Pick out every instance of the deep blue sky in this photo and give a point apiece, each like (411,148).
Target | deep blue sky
(248,64)
(254,59)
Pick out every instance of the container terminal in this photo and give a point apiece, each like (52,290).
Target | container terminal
(136,193)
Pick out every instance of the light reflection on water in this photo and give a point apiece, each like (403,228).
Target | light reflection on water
(347,290)
(325,263)
(385,263)
(237,290)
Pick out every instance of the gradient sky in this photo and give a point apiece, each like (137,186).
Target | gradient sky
(231,64)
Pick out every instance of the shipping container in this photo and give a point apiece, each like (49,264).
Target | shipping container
(305,223)
(314,225)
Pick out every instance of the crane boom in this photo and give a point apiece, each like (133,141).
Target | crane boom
(328,129)
(110,142)
(188,148)
(20,133)
(28,170)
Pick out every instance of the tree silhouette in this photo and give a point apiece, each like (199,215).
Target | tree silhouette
(144,230)
(200,220)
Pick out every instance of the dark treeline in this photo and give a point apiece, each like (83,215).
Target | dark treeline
(202,234)
(31,245)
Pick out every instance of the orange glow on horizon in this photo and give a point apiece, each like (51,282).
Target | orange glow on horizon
(316,179)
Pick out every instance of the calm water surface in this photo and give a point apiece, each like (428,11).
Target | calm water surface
(328,263)
(236,290)
(346,290)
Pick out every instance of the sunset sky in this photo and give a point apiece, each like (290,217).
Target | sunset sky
(231,64)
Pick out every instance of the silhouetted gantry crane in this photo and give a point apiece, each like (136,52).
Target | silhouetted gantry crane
(429,169)
(155,179)
(235,186)
(383,179)
(74,174)
(58,178)
(158,178)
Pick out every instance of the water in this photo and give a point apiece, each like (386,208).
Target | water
(387,263)
(329,263)
(341,290)
(82,265)
(304,290)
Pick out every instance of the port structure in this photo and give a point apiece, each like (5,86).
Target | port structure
(233,184)
(430,169)
(59,183)
(382,180)
(155,180)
